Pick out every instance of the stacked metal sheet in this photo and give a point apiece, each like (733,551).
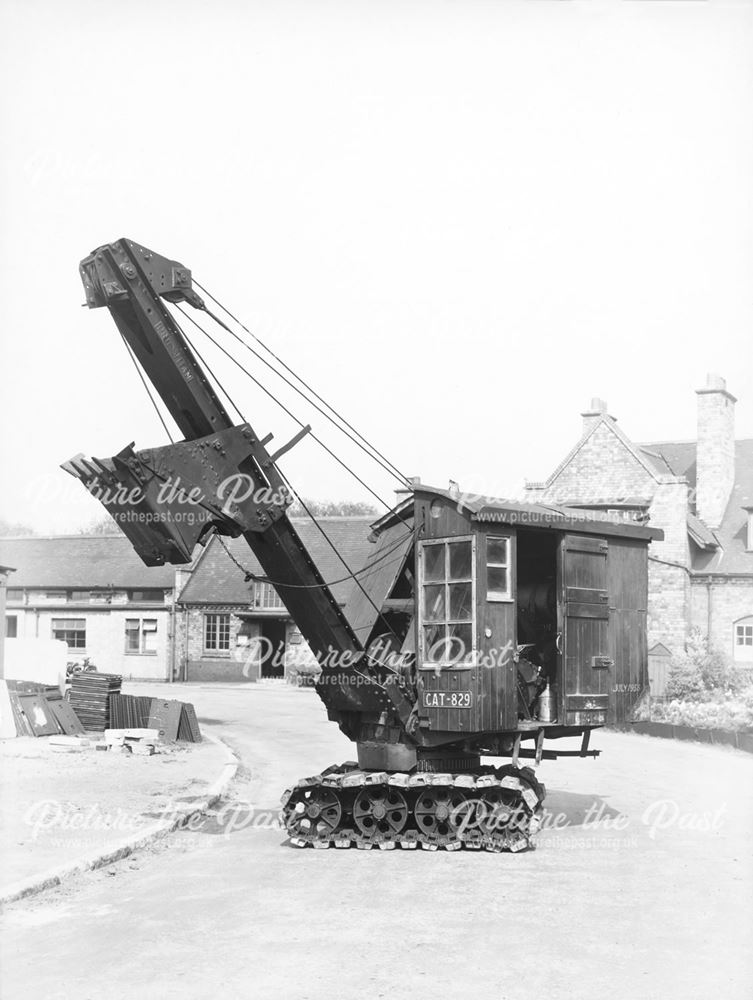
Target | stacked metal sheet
(128,711)
(89,698)
(188,727)
(34,708)
(174,720)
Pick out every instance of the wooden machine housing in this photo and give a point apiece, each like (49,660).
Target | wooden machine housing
(596,573)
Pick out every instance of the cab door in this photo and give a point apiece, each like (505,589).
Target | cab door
(584,627)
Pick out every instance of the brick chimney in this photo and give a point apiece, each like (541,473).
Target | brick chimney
(597,410)
(715,475)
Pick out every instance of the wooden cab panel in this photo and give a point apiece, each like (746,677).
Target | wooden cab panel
(604,594)
(446,680)
(564,595)
(497,639)
(585,668)
(461,693)
(628,603)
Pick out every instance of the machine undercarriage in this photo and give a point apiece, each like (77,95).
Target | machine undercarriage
(490,809)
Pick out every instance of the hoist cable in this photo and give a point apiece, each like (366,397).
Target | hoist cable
(260,578)
(286,410)
(303,382)
(220,386)
(386,467)
(301,501)
(377,455)
(339,555)
(265,579)
(146,386)
(351,574)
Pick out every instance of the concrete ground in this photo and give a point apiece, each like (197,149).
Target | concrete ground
(642,886)
(58,807)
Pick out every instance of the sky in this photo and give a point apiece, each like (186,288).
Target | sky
(459,220)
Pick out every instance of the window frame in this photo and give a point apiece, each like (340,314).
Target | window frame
(141,631)
(217,649)
(157,601)
(442,665)
(497,597)
(53,630)
(744,632)
(262,590)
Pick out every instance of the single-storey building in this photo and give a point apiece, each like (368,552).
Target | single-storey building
(93,593)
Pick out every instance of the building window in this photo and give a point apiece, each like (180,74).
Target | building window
(146,596)
(498,569)
(265,596)
(216,633)
(71,631)
(141,635)
(79,596)
(14,595)
(744,635)
(11,626)
(743,645)
(447,609)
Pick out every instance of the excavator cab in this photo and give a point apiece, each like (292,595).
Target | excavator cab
(514,600)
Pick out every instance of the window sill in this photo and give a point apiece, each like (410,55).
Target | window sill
(216,654)
(134,652)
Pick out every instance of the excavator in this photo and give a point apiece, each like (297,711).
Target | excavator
(477,629)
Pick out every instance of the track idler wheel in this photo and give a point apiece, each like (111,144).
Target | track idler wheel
(438,811)
(380,812)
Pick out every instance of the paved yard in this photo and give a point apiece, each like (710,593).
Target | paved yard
(645,889)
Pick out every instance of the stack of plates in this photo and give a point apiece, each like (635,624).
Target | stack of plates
(89,697)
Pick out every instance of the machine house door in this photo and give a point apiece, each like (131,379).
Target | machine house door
(584,629)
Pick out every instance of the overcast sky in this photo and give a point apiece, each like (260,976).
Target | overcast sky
(458,220)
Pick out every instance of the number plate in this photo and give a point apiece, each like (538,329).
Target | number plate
(447,699)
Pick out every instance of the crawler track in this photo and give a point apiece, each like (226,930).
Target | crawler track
(491,809)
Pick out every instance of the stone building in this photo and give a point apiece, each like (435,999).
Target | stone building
(230,629)
(700,493)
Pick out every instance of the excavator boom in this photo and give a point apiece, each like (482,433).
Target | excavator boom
(221,473)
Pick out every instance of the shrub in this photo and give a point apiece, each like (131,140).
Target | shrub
(701,671)
(730,714)
(705,691)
